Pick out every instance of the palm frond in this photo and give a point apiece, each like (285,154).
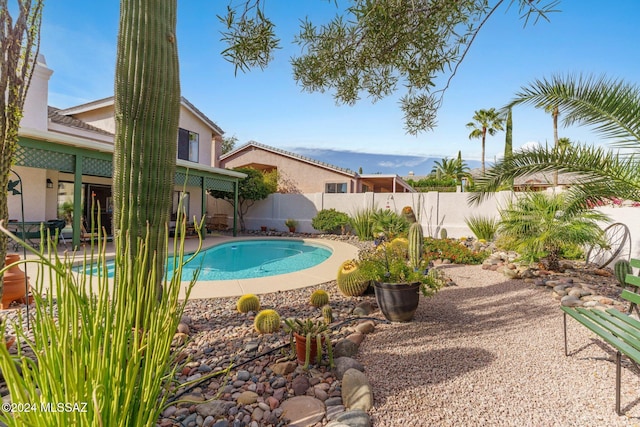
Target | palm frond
(611,106)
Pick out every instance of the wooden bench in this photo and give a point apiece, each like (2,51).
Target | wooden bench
(619,330)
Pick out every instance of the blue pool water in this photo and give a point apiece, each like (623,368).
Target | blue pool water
(252,258)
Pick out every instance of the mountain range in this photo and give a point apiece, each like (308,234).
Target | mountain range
(372,163)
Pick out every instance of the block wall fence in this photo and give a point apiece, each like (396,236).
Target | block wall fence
(435,210)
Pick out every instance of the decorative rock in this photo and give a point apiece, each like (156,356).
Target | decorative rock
(215,408)
(300,385)
(247,398)
(345,348)
(354,418)
(571,301)
(278,382)
(183,328)
(179,339)
(356,337)
(284,368)
(365,308)
(333,401)
(366,327)
(320,394)
(334,411)
(356,390)
(243,375)
(302,411)
(221,423)
(343,364)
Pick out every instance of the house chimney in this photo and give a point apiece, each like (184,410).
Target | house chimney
(36,114)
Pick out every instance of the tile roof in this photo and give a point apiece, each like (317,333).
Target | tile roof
(56,117)
(288,154)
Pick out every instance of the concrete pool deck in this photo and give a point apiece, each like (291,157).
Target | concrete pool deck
(321,273)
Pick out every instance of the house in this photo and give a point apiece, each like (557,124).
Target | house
(305,175)
(63,161)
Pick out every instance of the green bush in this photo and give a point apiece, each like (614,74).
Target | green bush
(452,250)
(330,221)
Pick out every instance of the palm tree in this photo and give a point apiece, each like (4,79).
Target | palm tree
(612,108)
(542,224)
(485,121)
(555,112)
(445,168)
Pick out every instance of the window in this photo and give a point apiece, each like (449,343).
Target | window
(188,145)
(335,187)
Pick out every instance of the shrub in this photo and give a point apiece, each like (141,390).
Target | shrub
(389,224)
(453,251)
(361,221)
(482,226)
(330,221)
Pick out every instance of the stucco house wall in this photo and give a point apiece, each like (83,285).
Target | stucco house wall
(306,177)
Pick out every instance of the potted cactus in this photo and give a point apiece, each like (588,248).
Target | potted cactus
(291,224)
(307,338)
(399,275)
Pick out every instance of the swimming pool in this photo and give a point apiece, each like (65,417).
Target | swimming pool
(246,259)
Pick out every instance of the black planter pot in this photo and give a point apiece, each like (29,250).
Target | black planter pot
(398,301)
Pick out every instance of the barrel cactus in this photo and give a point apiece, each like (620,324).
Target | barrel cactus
(351,281)
(327,314)
(416,241)
(443,233)
(319,298)
(407,213)
(267,321)
(399,245)
(248,302)
(621,268)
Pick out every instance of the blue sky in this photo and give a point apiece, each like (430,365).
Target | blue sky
(587,36)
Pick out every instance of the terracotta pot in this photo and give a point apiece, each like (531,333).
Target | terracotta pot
(15,282)
(398,301)
(292,229)
(301,348)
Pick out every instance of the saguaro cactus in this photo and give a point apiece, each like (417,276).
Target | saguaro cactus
(147,108)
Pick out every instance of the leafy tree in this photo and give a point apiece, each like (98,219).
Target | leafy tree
(542,224)
(375,48)
(485,121)
(19,46)
(228,144)
(252,188)
(612,108)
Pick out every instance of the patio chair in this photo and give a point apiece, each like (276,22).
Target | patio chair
(57,225)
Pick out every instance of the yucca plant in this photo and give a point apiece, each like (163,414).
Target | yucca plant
(483,227)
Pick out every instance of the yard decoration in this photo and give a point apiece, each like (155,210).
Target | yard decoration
(15,288)
(247,303)
(267,321)
(319,298)
(291,224)
(350,280)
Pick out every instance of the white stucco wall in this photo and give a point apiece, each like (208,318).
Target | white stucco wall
(36,102)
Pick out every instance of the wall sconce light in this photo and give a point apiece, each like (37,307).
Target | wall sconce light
(49,183)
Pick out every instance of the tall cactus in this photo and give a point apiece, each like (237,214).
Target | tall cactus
(147,108)
(416,242)
(19,47)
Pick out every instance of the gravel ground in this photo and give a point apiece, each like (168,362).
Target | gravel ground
(490,352)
